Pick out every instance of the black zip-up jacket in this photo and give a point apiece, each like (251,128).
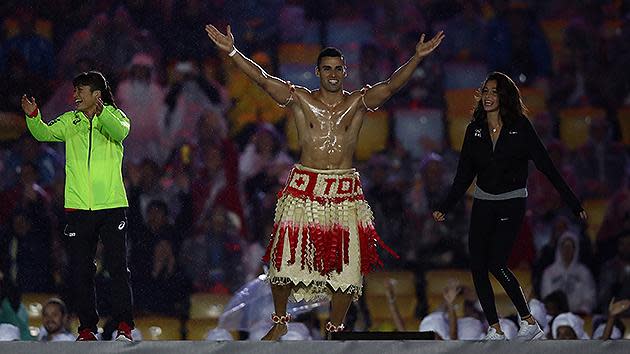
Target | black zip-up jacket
(505,168)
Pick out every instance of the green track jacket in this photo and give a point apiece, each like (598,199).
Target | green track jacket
(94,154)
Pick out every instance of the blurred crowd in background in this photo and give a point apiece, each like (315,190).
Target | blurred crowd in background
(208,150)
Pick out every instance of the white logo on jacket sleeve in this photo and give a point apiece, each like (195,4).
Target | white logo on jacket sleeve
(121,225)
(67,233)
(478,133)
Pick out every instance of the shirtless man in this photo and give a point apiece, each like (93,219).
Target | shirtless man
(324,238)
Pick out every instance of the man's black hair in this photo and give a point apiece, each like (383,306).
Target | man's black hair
(96,81)
(329,52)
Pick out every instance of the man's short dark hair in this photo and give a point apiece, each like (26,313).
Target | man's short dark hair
(329,52)
(559,298)
(96,81)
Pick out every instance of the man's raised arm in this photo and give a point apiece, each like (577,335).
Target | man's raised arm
(278,89)
(376,95)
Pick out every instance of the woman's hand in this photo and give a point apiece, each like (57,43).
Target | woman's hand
(438,216)
(28,106)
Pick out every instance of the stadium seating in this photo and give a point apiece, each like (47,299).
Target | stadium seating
(437,280)
(456,131)
(373,135)
(411,126)
(458,75)
(207,305)
(554,32)
(460,103)
(300,74)
(376,296)
(342,31)
(534,100)
(574,125)
(298,53)
(596,210)
(159,327)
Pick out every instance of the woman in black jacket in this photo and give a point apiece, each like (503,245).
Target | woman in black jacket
(498,144)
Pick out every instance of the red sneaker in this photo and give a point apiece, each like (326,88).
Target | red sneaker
(124,332)
(86,334)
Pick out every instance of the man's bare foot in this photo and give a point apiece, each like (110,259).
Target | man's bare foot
(277,331)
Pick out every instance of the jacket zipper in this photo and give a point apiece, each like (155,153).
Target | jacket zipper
(90,201)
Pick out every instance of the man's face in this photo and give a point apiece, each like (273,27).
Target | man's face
(566,332)
(85,98)
(567,250)
(552,308)
(53,319)
(331,72)
(156,217)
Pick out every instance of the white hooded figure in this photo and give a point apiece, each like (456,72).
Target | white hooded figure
(9,332)
(570,320)
(569,275)
(436,322)
(142,99)
(599,332)
(186,100)
(538,310)
(469,328)
(219,334)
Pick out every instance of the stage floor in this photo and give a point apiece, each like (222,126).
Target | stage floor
(319,347)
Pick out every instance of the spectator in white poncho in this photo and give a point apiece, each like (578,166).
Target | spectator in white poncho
(568,326)
(569,275)
(142,98)
(435,322)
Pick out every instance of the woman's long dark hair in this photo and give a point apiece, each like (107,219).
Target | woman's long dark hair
(511,105)
(96,81)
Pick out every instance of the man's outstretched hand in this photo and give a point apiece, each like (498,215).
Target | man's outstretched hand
(28,105)
(223,41)
(425,48)
(438,216)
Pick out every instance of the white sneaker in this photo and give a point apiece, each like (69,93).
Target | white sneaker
(494,335)
(529,332)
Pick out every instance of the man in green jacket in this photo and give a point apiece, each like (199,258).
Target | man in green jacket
(95,198)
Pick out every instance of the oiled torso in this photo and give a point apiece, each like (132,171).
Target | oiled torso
(327,133)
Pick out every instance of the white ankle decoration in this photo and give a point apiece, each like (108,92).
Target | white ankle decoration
(332,328)
(281,319)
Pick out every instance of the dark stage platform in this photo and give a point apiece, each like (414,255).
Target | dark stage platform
(320,347)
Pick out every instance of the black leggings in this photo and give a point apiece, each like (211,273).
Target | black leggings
(494,226)
(83,231)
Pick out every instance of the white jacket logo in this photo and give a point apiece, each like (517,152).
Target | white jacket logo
(478,133)
(121,225)
(69,234)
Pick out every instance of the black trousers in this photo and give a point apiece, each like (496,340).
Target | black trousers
(494,226)
(83,231)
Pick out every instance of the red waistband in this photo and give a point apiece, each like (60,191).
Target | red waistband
(323,187)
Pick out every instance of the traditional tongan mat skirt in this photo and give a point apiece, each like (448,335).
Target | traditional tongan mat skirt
(323,238)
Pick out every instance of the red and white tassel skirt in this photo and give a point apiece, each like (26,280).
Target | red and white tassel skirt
(324,238)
